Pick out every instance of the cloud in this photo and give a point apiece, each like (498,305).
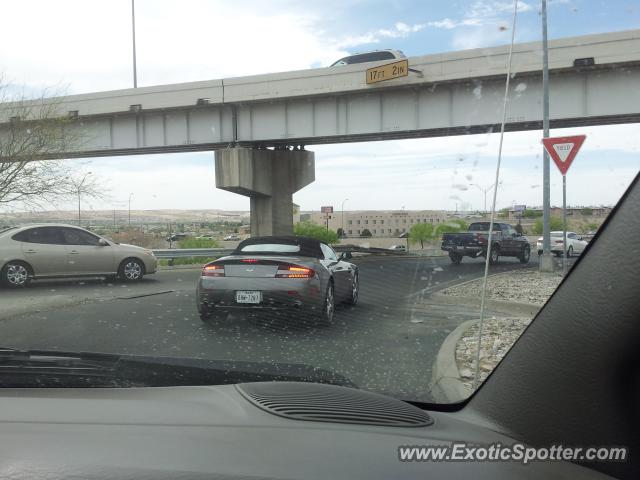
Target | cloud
(399,30)
(176,42)
(484,36)
(483,9)
(483,24)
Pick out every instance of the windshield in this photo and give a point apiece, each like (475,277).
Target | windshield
(267,208)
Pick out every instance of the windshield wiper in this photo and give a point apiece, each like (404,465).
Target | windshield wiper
(10,357)
(43,368)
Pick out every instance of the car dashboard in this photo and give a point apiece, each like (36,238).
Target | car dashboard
(224,432)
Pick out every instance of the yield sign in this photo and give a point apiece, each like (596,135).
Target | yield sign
(563,150)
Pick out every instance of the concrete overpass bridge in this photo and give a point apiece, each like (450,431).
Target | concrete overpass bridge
(253,122)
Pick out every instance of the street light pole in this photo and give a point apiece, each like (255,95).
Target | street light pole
(133,27)
(484,190)
(130,195)
(342,215)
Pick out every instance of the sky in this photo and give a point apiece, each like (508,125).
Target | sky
(79,46)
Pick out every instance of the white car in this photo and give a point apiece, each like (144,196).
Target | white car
(398,248)
(375,56)
(58,251)
(575,244)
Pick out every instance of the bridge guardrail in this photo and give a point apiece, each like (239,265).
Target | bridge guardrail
(171,253)
(191,252)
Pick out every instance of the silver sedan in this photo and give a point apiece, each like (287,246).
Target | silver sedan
(285,273)
(56,250)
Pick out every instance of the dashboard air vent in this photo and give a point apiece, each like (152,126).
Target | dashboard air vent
(330,403)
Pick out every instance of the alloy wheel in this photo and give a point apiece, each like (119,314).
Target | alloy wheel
(329,305)
(17,275)
(132,270)
(354,289)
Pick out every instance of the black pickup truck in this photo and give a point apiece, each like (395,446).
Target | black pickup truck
(505,242)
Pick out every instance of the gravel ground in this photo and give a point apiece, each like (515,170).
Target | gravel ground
(499,333)
(522,286)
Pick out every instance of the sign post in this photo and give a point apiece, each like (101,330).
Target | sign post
(563,150)
(328,210)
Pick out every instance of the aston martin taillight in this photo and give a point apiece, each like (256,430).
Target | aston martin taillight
(294,271)
(213,270)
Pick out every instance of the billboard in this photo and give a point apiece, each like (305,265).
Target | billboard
(326,209)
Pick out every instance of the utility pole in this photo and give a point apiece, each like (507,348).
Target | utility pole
(546,262)
(133,27)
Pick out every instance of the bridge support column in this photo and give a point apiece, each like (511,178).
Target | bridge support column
(269,178)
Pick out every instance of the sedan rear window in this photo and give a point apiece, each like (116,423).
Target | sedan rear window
(271,247)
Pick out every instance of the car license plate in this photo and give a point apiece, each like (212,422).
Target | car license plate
(248,296)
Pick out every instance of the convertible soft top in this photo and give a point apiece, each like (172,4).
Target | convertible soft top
(309,247)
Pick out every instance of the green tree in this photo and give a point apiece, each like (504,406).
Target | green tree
(532,213)
(555,223)
(587,212)
(420,232)
(366,233)
(318,232)
(451,226)
(198,243)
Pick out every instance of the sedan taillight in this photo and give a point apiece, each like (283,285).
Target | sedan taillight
(294,271)
(213,271)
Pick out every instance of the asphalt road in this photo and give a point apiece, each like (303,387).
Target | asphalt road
(378,344)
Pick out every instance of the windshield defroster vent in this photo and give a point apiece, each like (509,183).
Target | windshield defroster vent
(329,403)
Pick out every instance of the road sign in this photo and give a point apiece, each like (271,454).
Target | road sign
(326,209)
(388,72)
(563,150)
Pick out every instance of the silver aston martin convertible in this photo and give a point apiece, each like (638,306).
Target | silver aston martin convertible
(278,274)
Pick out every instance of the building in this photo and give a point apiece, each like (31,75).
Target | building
(598,212)
(381,223)
(296,213)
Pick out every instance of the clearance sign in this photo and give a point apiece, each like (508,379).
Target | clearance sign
(388,72)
